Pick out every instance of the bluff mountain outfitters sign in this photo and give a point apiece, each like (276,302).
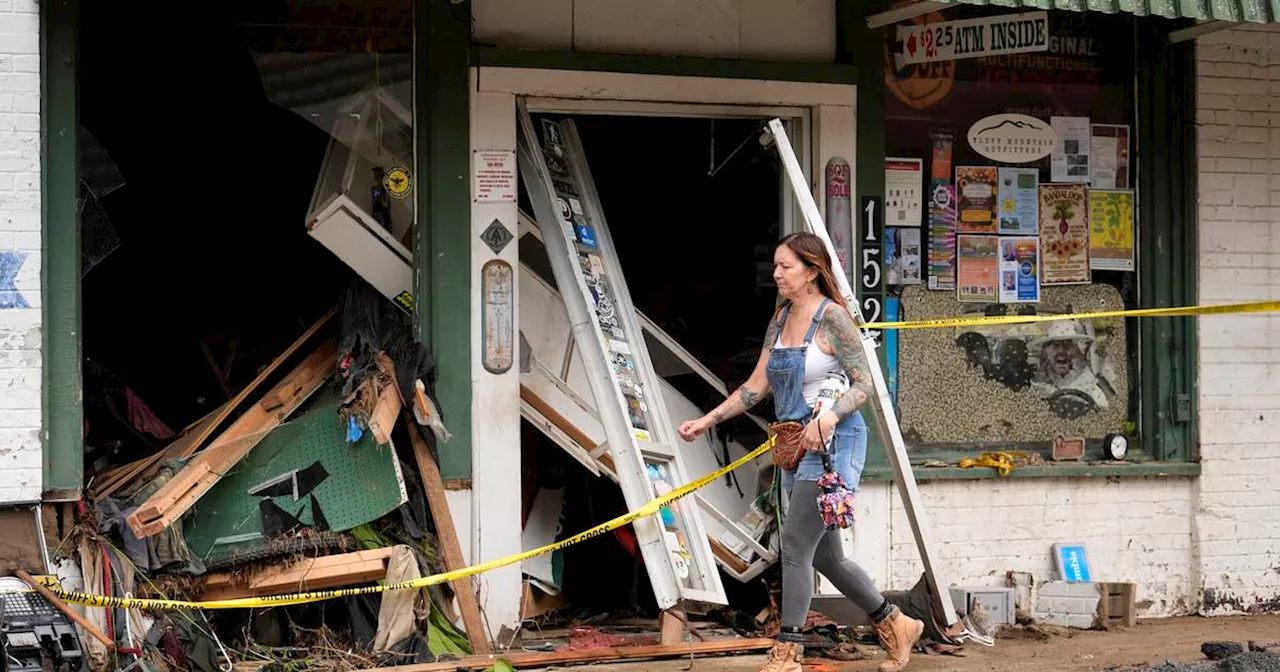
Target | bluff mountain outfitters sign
(972,38)
(1012,138)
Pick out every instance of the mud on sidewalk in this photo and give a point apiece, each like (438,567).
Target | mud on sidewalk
(1150,644)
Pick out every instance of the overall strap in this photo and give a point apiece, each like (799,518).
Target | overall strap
(817,319)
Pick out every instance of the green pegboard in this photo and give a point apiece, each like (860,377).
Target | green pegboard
(358,482)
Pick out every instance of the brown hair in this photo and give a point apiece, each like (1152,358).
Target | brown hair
(813,253)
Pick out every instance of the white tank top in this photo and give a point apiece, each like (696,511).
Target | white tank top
(817,366)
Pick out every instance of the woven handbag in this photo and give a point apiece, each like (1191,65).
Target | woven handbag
(786,448)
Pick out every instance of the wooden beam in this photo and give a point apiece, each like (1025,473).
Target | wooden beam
(329,571)
(619,653)
(383,418)
(450,549)
(180,493)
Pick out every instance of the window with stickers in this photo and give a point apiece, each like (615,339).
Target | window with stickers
(1010,190)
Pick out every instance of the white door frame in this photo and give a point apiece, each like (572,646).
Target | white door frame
(823,121)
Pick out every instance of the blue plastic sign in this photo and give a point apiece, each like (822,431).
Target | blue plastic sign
(1073,562)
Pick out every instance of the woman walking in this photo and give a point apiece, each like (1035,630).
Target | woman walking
(811,338)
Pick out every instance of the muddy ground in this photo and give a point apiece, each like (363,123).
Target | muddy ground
(1151,642)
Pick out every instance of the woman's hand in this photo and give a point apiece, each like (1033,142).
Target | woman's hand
(815,432)
(692,429)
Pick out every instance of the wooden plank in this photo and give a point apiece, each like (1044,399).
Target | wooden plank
(671,627)
(529,395)
(191,441)
(178,495)
(619,653)
(319,573)
(450,549)
(387,409)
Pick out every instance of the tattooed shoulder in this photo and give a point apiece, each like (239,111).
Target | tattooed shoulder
(841,334)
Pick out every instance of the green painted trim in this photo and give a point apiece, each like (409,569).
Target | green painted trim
(63,450)
(664,65)
(1167,239)
(1064,470)
(856,43)
(1252,11)
(442,242)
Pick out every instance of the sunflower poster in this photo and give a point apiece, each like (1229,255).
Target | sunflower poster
(1064,234)
(1110,230)
(1019,201)
(976,191)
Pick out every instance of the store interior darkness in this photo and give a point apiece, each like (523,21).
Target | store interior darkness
(693,207)
(210,217)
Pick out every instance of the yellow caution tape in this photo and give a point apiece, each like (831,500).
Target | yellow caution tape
(649,509)
(1218,309)
(1003,463)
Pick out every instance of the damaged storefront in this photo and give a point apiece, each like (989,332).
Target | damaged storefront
(429,285)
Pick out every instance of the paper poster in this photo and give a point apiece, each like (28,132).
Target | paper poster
(1019,198)
(1020,269)
(494,174)
(1064,234)
(942,237)
(1109,157)
(977,265)
(902,252)
(976,199)
(903,192)
(1070,160)
(1110,230)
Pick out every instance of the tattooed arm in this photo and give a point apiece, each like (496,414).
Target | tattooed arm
(839,337)
(743,398)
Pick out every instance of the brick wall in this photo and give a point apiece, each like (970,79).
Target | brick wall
(1238,496)
(20,335)
(1135,529)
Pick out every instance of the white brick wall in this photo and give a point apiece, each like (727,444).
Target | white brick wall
(1135,529)
(1238,496)
(20,328)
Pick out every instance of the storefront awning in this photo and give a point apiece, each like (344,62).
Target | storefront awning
(1221,13)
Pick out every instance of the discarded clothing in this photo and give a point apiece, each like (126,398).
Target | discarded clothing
(143,420)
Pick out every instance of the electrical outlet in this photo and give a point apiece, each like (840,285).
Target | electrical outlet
(1182,408)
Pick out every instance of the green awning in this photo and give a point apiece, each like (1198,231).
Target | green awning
(1250,11)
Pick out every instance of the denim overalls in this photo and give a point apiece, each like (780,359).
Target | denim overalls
(785,372)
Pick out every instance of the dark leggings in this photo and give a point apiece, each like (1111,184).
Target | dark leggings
(807,545)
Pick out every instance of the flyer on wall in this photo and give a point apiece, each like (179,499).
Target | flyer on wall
(977,265)
(1020,269)
(903,192)
(976,207)
(942,237)
(1070,159)
(1109,156)
(902,252)
(1110,230)
(1064,234)
(1019,201)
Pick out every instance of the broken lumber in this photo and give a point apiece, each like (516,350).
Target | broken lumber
(196,434)
(328,571)
(180,493)
(387,409)
(450,549)
(618,653)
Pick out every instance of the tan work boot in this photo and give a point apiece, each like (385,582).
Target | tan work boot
(898,633)
(784,657)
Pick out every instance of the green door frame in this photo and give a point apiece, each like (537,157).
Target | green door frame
(62,411)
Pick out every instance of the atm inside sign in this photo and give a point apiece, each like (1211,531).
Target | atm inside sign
(972,38)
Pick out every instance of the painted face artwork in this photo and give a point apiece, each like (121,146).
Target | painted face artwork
(789,273)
